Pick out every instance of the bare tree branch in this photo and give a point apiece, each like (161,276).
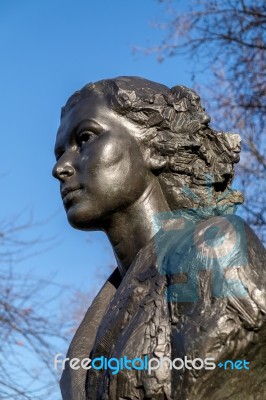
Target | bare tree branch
(30,326)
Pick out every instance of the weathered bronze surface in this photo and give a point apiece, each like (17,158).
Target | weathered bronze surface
(140,162)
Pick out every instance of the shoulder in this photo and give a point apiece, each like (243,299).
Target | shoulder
(223,247)
(226,238)
(231,243)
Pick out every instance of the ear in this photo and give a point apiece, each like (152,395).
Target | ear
(152,157)
(154,160)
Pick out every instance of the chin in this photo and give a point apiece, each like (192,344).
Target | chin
(84,220)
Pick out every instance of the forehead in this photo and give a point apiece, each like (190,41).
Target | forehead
(88,106)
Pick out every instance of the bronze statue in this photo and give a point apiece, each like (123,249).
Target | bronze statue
(140,162)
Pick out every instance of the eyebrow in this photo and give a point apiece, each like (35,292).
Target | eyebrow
(86,120)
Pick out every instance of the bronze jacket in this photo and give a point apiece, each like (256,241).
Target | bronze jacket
(182,296)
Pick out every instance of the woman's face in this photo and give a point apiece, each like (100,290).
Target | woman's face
(100,165)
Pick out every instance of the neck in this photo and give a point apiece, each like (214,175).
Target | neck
(131,229)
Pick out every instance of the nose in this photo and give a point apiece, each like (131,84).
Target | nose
(62,171)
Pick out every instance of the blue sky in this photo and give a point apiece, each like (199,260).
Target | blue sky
(49,49)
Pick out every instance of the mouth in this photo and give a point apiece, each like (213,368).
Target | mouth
(69,193)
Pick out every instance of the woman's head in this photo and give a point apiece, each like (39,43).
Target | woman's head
(191,161)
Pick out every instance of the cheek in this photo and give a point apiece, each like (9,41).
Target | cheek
(112,153)
(115,167)
(103,152)
(108,160)
(116,170)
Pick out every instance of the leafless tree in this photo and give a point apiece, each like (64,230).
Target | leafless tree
(81,299)
(226,44)
(29,325)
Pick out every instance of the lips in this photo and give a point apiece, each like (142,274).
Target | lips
(68,192)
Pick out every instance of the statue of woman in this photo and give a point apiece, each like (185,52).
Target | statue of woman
(140,162)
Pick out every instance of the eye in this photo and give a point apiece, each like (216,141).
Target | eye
(85,137)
